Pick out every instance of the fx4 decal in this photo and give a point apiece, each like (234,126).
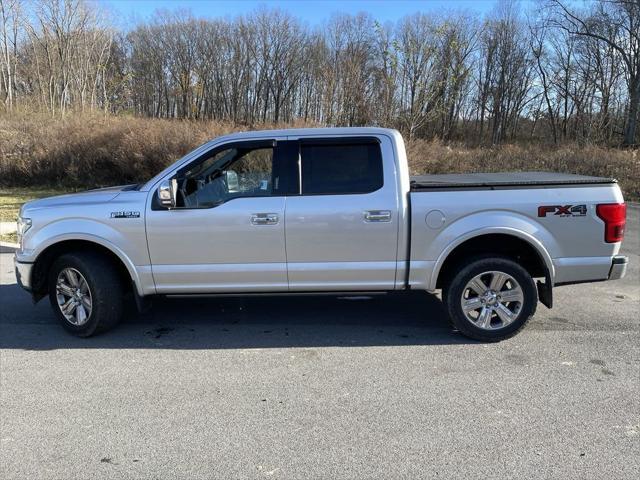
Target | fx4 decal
(562,210)
(125,214)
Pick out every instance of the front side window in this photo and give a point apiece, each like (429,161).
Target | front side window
(341,168)
(230,173)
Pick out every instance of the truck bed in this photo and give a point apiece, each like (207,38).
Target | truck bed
(503,180)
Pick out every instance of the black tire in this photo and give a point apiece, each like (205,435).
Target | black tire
(453,292)
(105,288)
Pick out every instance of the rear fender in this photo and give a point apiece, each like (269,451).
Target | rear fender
(510,223)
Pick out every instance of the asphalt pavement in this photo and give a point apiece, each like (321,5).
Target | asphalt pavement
(323,387)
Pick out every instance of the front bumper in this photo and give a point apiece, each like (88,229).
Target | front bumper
(618,267)
(23,273)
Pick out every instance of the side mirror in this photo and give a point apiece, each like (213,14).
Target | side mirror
(166,193)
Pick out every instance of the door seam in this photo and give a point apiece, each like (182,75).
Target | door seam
(284,227)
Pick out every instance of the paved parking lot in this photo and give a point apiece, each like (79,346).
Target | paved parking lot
(323,387)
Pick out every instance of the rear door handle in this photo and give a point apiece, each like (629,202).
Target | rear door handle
(264,219)
(377,216)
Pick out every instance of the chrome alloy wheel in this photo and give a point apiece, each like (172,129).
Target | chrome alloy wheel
(74,296)
(492,300)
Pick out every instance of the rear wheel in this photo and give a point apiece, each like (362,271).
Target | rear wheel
(491,299)
(85,293)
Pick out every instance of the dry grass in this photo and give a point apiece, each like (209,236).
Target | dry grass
(86,151)
(95,150)
(11,199)
(9,237)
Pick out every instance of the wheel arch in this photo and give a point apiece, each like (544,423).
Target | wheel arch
(509,242)
(58,247)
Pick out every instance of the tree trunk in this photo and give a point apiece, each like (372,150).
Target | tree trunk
(634,107)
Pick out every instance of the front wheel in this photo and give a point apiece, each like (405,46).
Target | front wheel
(491,299)
(85,292)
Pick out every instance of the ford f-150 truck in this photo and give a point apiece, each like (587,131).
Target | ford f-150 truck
(322,210)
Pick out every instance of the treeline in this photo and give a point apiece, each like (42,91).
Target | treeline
(559,73)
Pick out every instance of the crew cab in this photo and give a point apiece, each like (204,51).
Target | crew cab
(322,210)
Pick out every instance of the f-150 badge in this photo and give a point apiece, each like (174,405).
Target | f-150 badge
(125,214)
(563,210)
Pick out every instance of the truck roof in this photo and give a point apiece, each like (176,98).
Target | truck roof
(304,132)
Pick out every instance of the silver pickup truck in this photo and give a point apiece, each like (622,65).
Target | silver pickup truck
(322,210)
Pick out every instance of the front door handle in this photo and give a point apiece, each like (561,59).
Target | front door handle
(264,219)
(377,216)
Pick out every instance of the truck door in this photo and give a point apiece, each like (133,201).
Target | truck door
(342,231)
(227,231)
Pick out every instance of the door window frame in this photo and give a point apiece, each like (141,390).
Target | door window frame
(338,141)
(284,165)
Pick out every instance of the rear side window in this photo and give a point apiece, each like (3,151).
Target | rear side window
(341,168)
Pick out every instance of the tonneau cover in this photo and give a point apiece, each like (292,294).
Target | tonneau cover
(502,180)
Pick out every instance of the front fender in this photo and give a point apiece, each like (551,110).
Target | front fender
(128,249)
(481,223)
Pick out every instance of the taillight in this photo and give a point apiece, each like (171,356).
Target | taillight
(614,216)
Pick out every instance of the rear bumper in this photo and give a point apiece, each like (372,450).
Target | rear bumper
(23,273)
(570,271)
(618,267)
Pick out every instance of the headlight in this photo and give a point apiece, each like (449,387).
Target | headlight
(24,224)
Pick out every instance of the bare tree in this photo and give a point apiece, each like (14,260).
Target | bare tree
(419,89)
(539,51)
(10,11)
(69,51)
(624,17)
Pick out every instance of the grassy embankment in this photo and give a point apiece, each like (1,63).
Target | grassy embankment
(9,237)
(11,199)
